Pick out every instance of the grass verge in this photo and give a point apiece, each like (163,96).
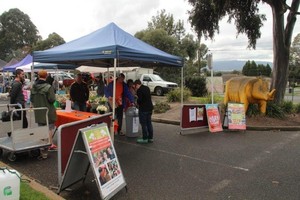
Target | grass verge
(28,193)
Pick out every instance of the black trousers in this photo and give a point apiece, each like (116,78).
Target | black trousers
(25,121)
(119,117)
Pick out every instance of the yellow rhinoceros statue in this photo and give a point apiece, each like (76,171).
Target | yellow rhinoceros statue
(248,90)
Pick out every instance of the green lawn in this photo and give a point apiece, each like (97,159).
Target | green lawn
(28,193)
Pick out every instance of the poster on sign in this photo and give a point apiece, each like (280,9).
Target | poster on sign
(236,116)
(200,113)
(213,118)
(103,159)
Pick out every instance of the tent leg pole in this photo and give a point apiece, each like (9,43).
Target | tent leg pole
(114,98)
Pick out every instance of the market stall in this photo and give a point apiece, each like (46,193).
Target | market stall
(108,47)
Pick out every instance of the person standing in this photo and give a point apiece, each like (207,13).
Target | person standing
(49,79)
(131,88)
(100,86)
(122,92)
(145,106)
(17,95)
(42,95)
(79,93)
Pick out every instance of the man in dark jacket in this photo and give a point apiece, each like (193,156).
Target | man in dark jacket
(16,94)
(42,95)
(145,105)
(79,93)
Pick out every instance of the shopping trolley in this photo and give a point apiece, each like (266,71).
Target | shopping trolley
(15,139)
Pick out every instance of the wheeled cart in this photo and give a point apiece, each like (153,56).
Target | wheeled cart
(16,139)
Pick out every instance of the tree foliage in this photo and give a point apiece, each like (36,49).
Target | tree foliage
(166,22)
(160,39)
(17,33)
(196,67)
(169,36)
(294,65)
(252,69)
(206,14)
(205,17)
(197,85)
(53,40)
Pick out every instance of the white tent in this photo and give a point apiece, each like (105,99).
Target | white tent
(27,67)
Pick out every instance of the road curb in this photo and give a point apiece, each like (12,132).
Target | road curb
(252,128)
(165,121)
(273,128)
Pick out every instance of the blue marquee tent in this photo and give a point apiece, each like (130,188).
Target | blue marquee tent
(12,68)
(101,47)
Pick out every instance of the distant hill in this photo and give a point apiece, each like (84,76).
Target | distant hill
(230,65)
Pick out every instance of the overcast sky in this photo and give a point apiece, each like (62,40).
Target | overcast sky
(72,19)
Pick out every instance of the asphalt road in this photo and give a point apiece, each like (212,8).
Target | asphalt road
(226,165)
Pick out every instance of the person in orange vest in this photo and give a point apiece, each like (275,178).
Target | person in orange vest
(122,92)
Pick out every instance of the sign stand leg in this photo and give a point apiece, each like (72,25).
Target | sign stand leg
(225,119)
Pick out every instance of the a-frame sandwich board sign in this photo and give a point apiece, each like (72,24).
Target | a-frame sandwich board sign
(235,116)
(93,147)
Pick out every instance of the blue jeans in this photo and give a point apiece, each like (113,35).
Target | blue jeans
(145,121)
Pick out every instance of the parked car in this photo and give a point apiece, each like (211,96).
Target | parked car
(63,78)
(156,84)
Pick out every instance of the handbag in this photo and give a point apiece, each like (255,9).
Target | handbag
(5,116)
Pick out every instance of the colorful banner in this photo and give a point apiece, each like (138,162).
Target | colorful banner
(213,118)
(236,116)
(103,159)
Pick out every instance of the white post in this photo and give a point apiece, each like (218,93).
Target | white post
(212,86)
(210,66)
(32,74)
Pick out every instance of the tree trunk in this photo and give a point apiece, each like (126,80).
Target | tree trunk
(282,37)
(280,53)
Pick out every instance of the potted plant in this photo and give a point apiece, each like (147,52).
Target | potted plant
(93,100)
(101,109)
(102,100)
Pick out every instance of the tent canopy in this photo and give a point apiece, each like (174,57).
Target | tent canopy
(103,70)
(25,61)
(102,46)
(47,66)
